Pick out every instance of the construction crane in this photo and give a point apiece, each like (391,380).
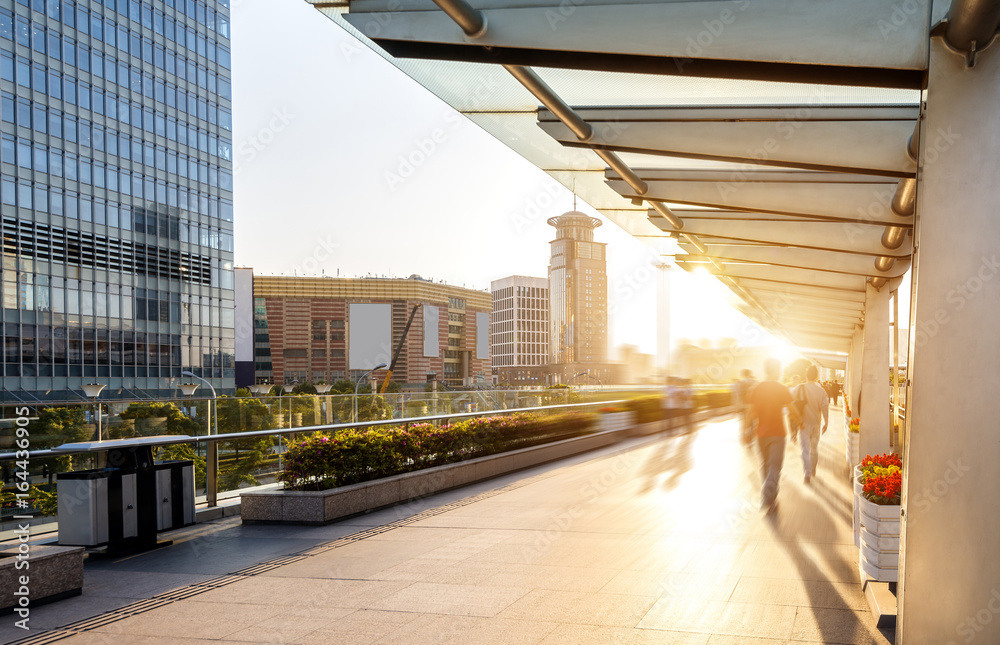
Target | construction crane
(399,348)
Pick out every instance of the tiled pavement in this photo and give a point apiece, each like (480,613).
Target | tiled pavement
(662,543)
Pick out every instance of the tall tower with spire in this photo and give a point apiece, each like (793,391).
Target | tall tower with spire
(578,292)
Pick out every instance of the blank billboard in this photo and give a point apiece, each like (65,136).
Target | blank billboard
(370,335)
(482,335)
(431,344)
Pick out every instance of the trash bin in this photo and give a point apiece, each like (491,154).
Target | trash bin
(174,494)
(124,504)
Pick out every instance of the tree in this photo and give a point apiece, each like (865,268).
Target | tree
(54,427)
(176,421)
(241,414)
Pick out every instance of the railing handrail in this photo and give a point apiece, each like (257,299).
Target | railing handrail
(169,440)
(81,402)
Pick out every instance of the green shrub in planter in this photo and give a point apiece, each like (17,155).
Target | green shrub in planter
(323,461)
(648,409)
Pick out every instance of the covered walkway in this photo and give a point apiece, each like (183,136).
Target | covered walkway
(661,541)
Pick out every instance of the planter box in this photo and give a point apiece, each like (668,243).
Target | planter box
(879,537)
(882,544)
(879,520)
(322,507)
(611,421)
(858,486)
(54,573)
(853,448)
(644,429)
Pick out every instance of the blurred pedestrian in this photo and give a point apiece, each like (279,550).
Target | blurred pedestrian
(768,401)
(743,390)
(687,404)
(813,407)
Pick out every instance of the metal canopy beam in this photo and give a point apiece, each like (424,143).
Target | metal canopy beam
(841,322)
(831,196)
(811,234)
(818,331)
(807,304)
(806,137)
(716,215)
(786,40)
(825,293)
(829,261)
(770,272)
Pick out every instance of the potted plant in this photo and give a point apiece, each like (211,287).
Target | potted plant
(881,482)
(853,437)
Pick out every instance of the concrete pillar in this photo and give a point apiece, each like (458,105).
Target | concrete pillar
(950,572)
(852,379)
(663,317)
(874,392)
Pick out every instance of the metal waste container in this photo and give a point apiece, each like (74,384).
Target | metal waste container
(124,504)
(174,494)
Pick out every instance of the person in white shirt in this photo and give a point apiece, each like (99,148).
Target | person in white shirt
(814,408)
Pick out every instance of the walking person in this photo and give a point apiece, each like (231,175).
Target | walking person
(813,407)
(743,390)
(768,402)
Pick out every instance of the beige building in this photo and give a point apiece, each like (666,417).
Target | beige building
(326,329)
(519,332)
(578,292)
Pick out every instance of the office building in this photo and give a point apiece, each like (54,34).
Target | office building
(309,330)
(578,292)
(116,196)
(519,337)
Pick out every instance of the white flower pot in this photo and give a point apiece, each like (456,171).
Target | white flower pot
(853,448)
(879,537)
(857,506)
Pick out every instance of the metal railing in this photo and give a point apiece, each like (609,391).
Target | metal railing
(253,431)
(211,443)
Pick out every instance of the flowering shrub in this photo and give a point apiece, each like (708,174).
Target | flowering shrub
(870,462)
(322,460)
(883,478)
(884,489)
(854,425)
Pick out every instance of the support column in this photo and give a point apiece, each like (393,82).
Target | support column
(663,316)
(874,391)
(949,571)
(852,378)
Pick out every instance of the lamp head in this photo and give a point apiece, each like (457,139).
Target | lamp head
(93,390)
(188,388)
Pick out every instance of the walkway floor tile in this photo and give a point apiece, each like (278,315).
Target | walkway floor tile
(659,540)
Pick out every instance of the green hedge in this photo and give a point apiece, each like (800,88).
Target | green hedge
(324,460)
(713,399)
(647,408)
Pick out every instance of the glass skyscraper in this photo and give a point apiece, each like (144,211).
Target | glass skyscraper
(116,191)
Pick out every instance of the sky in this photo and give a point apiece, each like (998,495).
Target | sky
(323,133)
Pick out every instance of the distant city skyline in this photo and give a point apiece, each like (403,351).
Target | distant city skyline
(320,182)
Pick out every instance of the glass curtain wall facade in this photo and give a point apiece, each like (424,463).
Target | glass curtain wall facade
(116,196)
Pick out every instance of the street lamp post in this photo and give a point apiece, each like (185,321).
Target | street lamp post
(188,390)
(358,384)
(213,418)
(212,450)
(323,390)
(93,390)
